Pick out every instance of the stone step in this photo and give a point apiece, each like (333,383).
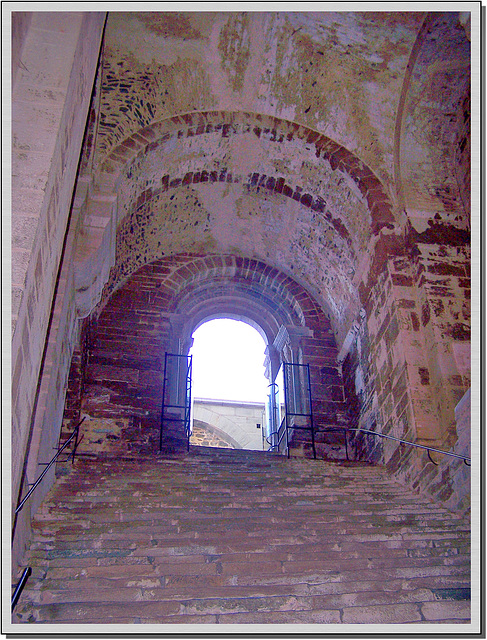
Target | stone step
(131,530)
(138,534)
(79,587)
(327,527)
(326,486)
(381,607)
(241,536)
(360,502)
(388,567)
(208,597)
(325,523)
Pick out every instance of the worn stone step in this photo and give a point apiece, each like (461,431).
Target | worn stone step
(329,530)
(210,600)
(408,607)
(95,521)
(302,553)
(220,535)
(373,497)
(299,514)
(243,542)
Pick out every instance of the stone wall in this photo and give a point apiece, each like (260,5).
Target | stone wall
(234,172)
(237,420)
(204,435)
(50,100)
(157,309)
(387,373)
(409,363)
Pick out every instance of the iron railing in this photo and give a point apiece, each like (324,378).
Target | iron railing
(48,465)
(275,443)
(465,459)
(297,401)
(346,430)
(27,571)
(275,438)
(20,586)
(298,413)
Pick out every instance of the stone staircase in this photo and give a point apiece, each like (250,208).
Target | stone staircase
(218,536)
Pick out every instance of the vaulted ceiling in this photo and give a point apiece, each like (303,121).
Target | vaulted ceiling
(294,138)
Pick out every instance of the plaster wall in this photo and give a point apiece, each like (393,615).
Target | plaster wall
(275,63)
(20,22)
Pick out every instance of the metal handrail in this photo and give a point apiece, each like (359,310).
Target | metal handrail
(465,459)
(20,586)
(413,444)
(280,435)
(49,464)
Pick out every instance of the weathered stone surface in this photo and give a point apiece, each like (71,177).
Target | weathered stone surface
(230,536)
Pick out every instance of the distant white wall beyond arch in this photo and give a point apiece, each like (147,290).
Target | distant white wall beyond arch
(237,420)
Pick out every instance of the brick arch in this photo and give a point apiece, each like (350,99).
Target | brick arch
(337,204)
(247,276)
(187,281)
(246,305)
(156,310)
(263,127)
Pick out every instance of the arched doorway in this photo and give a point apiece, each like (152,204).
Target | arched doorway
(229,386)
(157,310)
(228,361)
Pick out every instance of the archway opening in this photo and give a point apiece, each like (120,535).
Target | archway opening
(229,385)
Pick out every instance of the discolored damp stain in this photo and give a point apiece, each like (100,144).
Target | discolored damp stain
(438,307)
(439,233)
(447,269)
(458,331)
(176,25)
(425,314)
(234,46)
(401,280)
(445,292)
(406,304)
(424,375)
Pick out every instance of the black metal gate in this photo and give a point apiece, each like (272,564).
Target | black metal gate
(295,414)
(176,396)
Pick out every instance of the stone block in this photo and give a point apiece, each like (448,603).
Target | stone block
(446,610)
(382,614)
(282,617)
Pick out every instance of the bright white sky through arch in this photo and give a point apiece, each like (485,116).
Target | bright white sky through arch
(228,362)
